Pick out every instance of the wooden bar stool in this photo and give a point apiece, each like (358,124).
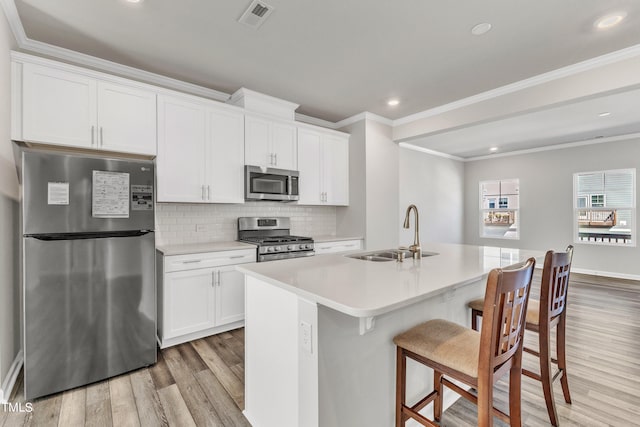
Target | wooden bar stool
(542,317)
(477,359)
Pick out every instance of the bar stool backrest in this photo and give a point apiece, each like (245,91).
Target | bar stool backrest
(505,308)
(555,282)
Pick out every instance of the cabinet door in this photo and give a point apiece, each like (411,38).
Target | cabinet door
(257,142)
(225,157)
(126,119)
(335,161)
(188,302)
(181,150)
(309,167)
(59,107)
(284,146)
(229,296)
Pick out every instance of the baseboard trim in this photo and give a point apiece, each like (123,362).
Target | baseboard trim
(12,377)
(611,274)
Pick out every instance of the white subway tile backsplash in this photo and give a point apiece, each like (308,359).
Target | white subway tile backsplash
(176,223)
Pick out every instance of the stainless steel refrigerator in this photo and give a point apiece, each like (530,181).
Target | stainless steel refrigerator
(88,269)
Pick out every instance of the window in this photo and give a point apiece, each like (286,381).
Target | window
(499,209)
(605,206)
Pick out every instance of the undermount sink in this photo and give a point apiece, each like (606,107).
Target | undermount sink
(388,255)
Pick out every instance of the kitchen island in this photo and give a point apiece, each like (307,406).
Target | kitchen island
(318,338)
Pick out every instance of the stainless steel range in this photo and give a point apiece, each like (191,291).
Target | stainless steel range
(272,237)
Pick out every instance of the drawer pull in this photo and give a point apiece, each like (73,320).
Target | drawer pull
(192,261)
(237,256)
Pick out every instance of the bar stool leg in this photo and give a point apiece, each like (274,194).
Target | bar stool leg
(401,393)
(546,374)
(485,402)
(437,403)
(562,360)
(474,319)
(515,396)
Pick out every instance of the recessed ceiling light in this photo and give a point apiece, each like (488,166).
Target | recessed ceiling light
(493,149)
(134,1)
(604,114)
(393,102)
(481,29)
(610,20)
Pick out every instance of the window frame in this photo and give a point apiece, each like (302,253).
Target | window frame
(498,201)
(589,207)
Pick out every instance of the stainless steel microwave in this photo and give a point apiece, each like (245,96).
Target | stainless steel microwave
(270,184)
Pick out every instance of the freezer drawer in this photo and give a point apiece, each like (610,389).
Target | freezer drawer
(89,310)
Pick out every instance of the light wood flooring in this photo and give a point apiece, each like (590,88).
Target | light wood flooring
(201,383)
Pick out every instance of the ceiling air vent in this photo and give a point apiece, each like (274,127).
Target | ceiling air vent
(256,14)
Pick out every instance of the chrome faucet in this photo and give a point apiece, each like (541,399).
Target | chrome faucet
(415,248)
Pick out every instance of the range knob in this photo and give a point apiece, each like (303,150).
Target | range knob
(278,249)
(308,246)
(291,247)
(270,249)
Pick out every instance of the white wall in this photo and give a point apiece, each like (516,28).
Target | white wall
(382,187)
(9,227)
(546,205)
(373,186)
(436,186)
(351,220)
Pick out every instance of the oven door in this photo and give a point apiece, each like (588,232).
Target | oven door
(271,184)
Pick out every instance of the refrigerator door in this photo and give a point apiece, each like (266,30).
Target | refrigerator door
(89,310)
(59,194)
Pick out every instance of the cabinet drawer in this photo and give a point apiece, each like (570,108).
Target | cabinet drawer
(208,259)
(336,247)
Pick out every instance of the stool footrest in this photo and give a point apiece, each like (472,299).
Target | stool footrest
(473,398)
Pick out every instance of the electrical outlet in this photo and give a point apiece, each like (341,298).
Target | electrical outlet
(306,337)
(202,228)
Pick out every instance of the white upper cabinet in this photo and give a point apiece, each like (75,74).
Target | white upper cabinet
(180,164)
(225,159)
(200,152)
(323,160)
(126,119)
(270,143)
(62,107)
(58,107)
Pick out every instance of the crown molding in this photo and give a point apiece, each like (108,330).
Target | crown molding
(410,146)
(569,70)
(11,13)
(363,116)
(315,121)
(557,146)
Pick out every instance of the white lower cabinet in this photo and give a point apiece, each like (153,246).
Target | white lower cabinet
(337,246)
(200,294)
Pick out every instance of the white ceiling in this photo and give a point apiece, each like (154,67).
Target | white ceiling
(573,122)
(337,58)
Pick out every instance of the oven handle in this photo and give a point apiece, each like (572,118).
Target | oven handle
(276,257)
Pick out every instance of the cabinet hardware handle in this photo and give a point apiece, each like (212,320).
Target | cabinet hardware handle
(203,192)
(101,137)
(213,278)
(92,132)
(275,156)
(208,192)
(236,256)
(218,272)
(193,261)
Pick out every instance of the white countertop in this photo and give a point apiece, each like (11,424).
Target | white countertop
(328,238)
(196,248)
(365,288)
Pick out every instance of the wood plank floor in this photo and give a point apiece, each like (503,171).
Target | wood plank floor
(201,383)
